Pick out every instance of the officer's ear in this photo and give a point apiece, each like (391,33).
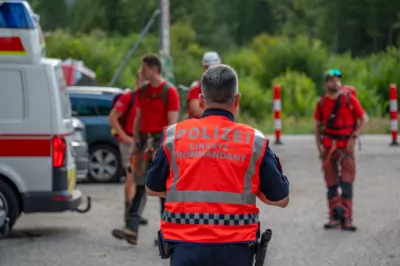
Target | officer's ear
(237,100)
(201,99)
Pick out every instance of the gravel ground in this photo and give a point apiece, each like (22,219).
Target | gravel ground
(298,237)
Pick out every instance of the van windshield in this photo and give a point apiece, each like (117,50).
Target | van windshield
(64,97)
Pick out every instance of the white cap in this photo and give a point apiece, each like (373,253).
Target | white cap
(211,58)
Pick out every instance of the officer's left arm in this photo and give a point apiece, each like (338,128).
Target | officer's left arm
(274,186)
(157,175)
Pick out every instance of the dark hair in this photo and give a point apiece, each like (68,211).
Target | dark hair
(152,60)
(219,84)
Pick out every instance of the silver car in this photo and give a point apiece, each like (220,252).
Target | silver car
(3,219)
(81,149)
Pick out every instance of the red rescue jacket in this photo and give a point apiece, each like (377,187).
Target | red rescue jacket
(213,182)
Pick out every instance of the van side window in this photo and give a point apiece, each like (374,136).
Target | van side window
(12,96)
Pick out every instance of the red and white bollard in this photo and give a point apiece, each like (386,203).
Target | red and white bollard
(277,114)
(393,114)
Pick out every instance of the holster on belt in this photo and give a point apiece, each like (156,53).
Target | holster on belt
(164,248)
(262,246)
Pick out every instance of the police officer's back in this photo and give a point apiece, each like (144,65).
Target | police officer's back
(211,170)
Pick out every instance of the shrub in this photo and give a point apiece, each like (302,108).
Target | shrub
(281,54)
(298,94)
(255,102)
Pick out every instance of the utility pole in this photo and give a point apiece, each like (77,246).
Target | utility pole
(166,59)
(164,27)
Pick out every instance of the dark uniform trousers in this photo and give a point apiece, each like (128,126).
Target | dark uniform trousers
(212,255)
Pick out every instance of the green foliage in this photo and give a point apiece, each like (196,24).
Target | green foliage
(298,94)
(255,102)
(283,54)
(103,55)
(286,42)
(296,64)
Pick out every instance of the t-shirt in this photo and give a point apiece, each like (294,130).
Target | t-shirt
(154,113)
(122,105)
(193,94)
(345,115)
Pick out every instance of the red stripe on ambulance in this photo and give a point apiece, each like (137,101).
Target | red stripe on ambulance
(11,44)
(25,147)
(28,145)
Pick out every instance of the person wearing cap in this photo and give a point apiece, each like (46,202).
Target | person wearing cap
(340,119)
(194,108)
(210,171)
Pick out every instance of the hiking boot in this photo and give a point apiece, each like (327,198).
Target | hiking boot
(348,225)
(335,213)
(332,224)
(125,234)
(143,221)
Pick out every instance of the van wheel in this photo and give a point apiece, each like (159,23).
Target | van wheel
(9,202)
(104,164)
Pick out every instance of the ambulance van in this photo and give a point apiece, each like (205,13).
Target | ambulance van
(37,165)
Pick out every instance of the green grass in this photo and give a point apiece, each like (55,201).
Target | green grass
(291,125)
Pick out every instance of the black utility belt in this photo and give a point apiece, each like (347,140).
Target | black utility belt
(337,137)
(145,136)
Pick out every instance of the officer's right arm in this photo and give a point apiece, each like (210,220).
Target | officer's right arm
(274,186)
(157,175)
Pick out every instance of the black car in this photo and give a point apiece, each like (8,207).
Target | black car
(92,106)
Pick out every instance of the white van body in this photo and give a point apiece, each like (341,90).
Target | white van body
(37,165)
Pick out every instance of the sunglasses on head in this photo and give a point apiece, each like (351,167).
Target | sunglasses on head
(333,73)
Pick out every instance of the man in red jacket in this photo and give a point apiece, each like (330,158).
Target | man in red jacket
(158,106)
(340,119)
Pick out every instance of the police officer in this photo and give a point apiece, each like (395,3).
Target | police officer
(211,170)
(340,119)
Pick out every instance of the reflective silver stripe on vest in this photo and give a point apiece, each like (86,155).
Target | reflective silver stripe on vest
(169,144)
(210,218)
(174,195)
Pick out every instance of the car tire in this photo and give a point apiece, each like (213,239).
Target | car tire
(10,200)
(104,164)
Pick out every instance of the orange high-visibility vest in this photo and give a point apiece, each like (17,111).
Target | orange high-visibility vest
(213,182)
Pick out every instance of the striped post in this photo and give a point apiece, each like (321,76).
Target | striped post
(393,113)
(277,114)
